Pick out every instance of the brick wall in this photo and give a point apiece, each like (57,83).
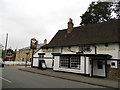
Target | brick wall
(113,73)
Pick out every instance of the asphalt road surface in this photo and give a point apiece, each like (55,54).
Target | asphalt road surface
(14,78)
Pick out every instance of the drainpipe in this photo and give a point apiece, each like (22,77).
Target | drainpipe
(95,49)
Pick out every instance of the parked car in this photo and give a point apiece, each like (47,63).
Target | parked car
(1,63)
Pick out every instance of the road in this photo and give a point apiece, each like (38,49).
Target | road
(14,78)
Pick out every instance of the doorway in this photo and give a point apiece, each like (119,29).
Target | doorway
(99,68)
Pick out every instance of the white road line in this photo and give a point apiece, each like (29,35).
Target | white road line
(6,80)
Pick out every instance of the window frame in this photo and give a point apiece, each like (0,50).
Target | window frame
(113,64)
(99,64)
(71,62)
(118,64)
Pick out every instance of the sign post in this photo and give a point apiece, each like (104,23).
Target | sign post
(26,59)
(33,46)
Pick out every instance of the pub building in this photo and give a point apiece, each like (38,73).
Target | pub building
(93,49)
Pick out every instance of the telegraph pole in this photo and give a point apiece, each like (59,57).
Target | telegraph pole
(6,44)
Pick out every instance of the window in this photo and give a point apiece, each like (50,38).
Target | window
(70,62)
(41,56)
(113,63)
(64,61)
(22,59)
(75,62)
(99,64)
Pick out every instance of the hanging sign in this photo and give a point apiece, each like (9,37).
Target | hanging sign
(33,43)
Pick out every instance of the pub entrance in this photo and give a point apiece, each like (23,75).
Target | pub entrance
(99,65)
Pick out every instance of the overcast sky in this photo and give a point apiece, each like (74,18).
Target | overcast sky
(40,19)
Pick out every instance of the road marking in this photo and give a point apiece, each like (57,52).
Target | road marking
(6,80)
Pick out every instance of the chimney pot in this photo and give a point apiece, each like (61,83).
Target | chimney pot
(70,20)
(70,26)
(45,41)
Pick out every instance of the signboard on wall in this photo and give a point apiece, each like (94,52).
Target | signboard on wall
(105,49)
(33,43)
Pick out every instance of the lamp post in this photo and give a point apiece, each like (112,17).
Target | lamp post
(26,59)
(6,44)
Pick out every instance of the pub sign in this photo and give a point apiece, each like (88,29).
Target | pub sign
(33,43)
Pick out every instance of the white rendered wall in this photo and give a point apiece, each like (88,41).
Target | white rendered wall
(112,50)
(66,50)
(87,65)
(119,52)
(56,63)
(49,63)
(110,63)
(47,57)
(57,50)
(75,48)
(82,67)
(69,70)
(36,54)
(35,62)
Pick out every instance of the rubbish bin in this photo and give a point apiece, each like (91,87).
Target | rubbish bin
(42,64)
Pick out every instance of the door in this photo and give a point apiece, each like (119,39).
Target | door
(99,68)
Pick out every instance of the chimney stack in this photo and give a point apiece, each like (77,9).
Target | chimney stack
(70,26)
(45,41)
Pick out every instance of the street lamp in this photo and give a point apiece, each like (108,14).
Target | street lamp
(26,59)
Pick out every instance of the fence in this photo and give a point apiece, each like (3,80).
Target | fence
(17,63)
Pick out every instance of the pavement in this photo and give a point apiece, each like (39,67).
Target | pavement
(75,77)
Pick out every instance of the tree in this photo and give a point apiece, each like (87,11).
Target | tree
(12,53)
(97,12)
(116,9)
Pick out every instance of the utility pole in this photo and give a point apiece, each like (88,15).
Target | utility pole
(6,44)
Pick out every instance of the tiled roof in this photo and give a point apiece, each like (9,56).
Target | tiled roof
(106,32)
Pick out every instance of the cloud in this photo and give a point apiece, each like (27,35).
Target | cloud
(24,19)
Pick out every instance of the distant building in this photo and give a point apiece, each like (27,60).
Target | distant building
(21,55)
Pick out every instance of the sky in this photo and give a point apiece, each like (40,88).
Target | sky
(40,19)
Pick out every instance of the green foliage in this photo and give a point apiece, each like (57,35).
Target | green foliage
(3,53)
(9,52)
(117,9)
(98,12)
